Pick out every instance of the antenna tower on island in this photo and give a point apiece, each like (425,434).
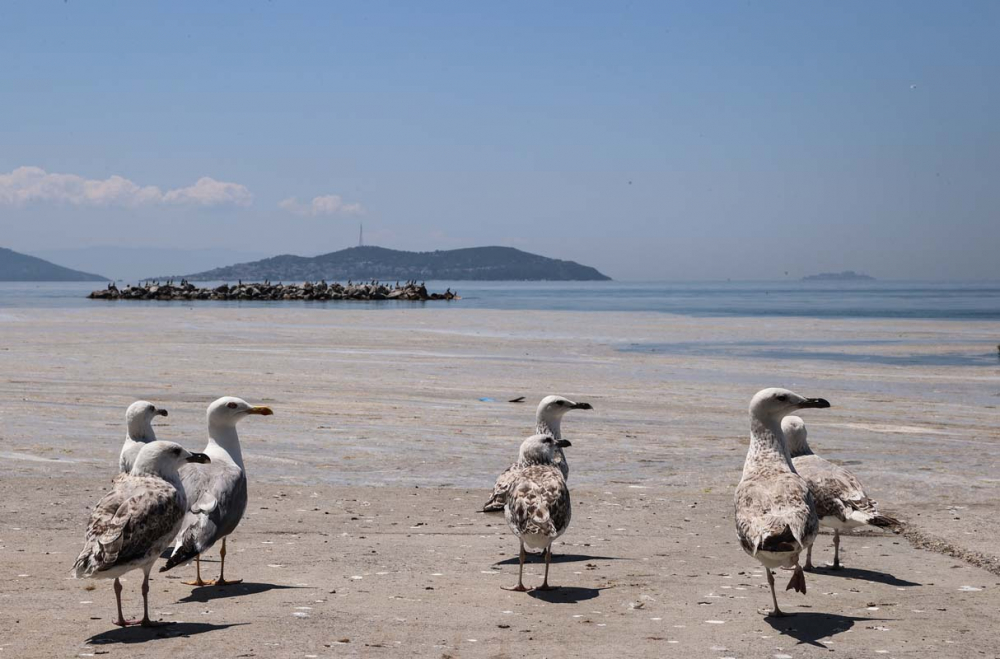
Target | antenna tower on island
(361,235)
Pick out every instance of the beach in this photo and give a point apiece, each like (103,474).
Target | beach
(362,537)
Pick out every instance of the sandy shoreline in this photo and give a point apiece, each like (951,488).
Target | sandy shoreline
(378,418)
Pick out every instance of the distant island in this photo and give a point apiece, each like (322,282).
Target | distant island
(846,275)
(15,266)
(367,263)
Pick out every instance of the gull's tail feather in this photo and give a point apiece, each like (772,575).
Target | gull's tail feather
(541,523)
(782,542)
(186,548)
(495,504)
(84,566)
(885,522)
(180,556)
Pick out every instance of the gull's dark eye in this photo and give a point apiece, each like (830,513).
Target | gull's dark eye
(152,409)
(783,398)
(176,451)
(547,440)
(560,402)
(231,406)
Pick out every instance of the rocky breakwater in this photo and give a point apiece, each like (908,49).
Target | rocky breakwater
(268,292)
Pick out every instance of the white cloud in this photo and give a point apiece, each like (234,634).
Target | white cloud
(209,192)
(26,185)
(330,204)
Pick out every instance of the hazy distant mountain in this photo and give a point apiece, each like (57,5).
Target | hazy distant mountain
(361,263)
(132,263)
(846,275)
(15,266)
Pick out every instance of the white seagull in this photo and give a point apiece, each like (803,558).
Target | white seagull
(138,519)
(775,514)
(548,421)
(139,431)
(217,492)
(538,504)
(841,502)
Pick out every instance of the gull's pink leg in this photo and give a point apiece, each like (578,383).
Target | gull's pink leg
(121,621)
(520,574)
(146,622)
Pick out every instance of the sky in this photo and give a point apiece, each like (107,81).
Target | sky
(654,141)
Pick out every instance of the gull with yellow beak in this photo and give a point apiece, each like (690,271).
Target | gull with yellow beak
(216,492)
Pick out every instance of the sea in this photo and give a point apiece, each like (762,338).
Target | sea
(878,299)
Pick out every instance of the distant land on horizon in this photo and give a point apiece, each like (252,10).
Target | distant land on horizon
(363,263)
(129,264)
(846,275)
(15,266)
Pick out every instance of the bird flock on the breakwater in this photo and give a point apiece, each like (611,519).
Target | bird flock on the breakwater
(169,499)
(320,291)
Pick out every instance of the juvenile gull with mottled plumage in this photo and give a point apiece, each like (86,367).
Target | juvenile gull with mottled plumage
(548,421)
(139,431)
(538,504)
(134,522)
(841,502)
(775,514)
(217,493)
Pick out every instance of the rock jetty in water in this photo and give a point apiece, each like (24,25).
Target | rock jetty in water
(319,292)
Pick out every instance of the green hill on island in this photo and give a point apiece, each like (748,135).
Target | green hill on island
(15,266)
(363,263)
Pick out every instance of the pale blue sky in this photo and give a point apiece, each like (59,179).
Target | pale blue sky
(651,140)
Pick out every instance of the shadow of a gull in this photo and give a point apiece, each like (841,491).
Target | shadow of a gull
(809,627)
(566,594)
(558,558)
(129,635)
(208,593)
(866,575)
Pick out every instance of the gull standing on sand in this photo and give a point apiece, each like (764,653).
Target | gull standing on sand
(841,502)
(775,514)
(138,519)
(538,504)
(217,492)
(139,423)
(548,421)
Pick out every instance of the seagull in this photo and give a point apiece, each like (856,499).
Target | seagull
(138,519)
(139,421)
(538,505)
(216,493)
(841,502)
(775,513)
(548,419)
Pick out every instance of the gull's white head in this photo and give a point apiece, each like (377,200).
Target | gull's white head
(552,408)
(794,430)
(164,459)
(540,449)
(774,404)
(229,410)
(139,419)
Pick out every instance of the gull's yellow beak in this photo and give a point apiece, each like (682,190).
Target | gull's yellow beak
(260,409)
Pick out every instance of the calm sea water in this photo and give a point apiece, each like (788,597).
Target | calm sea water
(949,301)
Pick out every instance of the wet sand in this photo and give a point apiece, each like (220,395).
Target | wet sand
(380,451)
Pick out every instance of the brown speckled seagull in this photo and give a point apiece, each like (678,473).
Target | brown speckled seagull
(548,421)
(134,522)
(775,514)
(841,502)
(538,504)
